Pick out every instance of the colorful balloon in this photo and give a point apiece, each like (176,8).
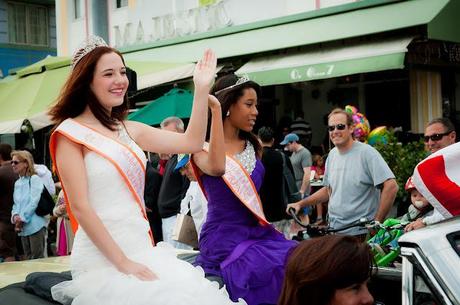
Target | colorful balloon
(362,126)
(378,135)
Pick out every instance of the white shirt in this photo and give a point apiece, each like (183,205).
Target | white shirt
(47,178)
(196,202)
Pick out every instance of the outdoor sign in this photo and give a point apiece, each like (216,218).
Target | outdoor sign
(141,28)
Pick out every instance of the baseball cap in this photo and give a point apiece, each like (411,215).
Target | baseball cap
(292,137)
(182,160)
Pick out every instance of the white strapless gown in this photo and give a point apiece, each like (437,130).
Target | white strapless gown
(97,281)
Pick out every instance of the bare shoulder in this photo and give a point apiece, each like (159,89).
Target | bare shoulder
(133,128)
(66,148)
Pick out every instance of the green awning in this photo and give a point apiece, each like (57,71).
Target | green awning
(177,102)
(439,17)
(161,73)
(30,93)
(327,62)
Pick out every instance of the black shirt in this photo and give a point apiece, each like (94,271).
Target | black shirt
(271,190)
(172,190)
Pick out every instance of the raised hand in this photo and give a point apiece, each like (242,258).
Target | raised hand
(205,69)
(140,271)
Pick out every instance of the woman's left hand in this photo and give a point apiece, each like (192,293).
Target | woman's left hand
(205,70)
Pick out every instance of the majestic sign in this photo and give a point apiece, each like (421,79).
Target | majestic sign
(146,29)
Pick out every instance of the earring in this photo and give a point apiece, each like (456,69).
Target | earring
(228,113)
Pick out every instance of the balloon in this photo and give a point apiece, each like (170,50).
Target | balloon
(378,135)
(362,126)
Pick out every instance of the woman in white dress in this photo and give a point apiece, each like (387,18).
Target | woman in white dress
(100,161)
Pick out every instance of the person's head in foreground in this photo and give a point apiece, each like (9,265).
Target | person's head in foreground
(329,270)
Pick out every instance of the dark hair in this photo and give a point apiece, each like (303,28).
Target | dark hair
(76,93)
(266,134)
(444,122)
(320,266)
(5,151)
(230,96)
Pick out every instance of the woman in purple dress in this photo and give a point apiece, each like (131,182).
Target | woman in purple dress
(236,242)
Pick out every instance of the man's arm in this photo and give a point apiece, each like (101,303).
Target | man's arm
(320,196)
(387,197)
(305,180)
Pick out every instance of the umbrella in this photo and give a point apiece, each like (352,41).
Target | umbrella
(30,93)
(177,102)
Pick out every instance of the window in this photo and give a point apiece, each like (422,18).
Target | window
(121,3)
(28,24)
(423,292)
(77,9)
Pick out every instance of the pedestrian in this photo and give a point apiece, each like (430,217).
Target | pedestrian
(357,182)
(27,191)
(439,133)
(301,128)
(153,180)
(173,188)
(8,249)
(272,189)
(194,200)
(100,160)
(301,163)
(64,233)
(236,242)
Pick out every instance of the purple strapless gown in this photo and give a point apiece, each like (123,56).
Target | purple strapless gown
(249,257)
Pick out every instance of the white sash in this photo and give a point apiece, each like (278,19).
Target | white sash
(240,183)
(125,160)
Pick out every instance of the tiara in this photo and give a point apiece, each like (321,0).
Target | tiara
(243,79)
(86,47)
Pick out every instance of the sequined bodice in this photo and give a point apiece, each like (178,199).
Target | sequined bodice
(247,157)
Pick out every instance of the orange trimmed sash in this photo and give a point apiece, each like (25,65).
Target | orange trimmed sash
(125,160)
(240,183)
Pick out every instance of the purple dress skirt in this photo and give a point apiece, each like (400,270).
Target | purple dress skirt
(249,257)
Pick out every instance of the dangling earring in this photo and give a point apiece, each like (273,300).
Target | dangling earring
(228,113)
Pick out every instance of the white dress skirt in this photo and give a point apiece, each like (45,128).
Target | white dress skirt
(97,281)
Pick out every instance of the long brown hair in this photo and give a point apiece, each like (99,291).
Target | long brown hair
(77,94)
(230,97)
(320,266)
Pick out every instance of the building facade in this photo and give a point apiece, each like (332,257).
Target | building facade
(27,33)
(397,61)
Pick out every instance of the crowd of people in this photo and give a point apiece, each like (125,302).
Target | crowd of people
(125,210)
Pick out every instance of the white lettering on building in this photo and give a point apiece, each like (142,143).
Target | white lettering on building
(196,20)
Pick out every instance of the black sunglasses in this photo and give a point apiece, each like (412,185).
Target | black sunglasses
(436,137)
(331,128)
(15,162)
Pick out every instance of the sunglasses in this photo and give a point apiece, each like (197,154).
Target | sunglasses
(331,128)
(436,137)
(15,162)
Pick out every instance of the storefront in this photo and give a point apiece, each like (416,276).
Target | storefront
(371,54)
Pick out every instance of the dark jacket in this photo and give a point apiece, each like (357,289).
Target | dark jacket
(151,192)
(172,190)
(271,190)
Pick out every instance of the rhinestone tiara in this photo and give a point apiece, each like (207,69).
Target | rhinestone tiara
(240,81)
(86,47)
